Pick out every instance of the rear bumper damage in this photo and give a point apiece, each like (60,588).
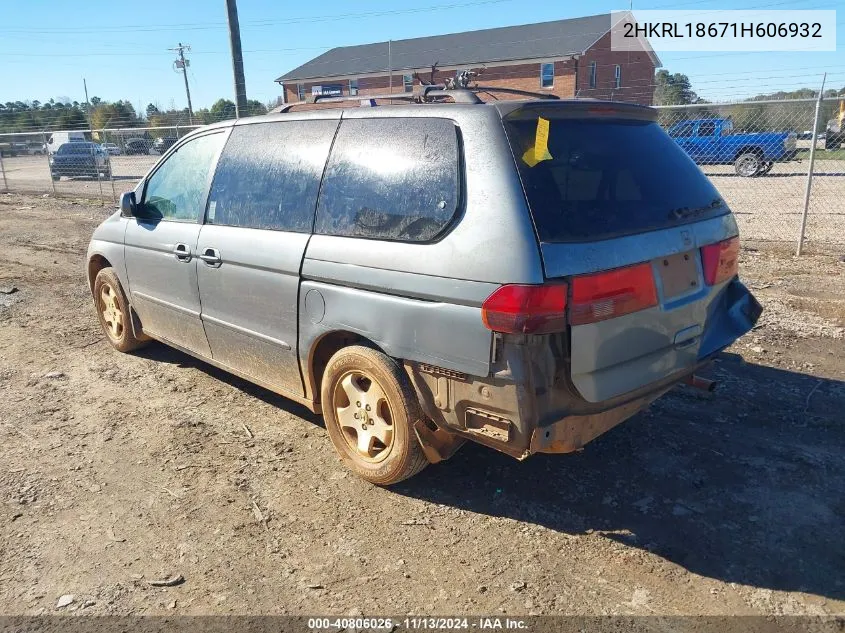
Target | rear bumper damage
(529,405)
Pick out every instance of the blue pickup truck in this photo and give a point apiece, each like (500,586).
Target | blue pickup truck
(714,142)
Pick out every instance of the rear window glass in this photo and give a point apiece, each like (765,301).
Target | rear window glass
(76,148)
(391,179)
(601,179)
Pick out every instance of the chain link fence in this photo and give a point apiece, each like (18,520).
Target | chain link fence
(110,162)
(756,153)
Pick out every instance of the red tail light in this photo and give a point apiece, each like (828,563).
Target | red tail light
(610,294)
(518,309)
(720,261)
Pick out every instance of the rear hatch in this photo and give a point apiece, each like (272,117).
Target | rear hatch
(644,243)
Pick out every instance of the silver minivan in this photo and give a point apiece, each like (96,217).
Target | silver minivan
(525,274)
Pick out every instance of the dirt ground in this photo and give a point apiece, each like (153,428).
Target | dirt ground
(121,469)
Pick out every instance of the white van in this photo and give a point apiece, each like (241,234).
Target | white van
(57,139)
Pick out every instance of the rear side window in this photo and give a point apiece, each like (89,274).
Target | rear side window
(269,175)
(391,179)
(606,178)
(708,128)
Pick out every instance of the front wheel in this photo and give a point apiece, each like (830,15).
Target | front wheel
(748,164)
(114,313)
(370,409)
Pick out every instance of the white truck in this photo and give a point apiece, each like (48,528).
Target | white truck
(57,139)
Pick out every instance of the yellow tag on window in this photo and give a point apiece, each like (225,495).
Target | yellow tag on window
(540,151)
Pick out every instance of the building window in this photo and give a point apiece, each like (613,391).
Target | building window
(547,75)
(300,91)
(617,76)
(408,81)
(592,74)
(353,87)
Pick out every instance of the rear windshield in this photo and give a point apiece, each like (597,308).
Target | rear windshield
(596,179)
(76,148)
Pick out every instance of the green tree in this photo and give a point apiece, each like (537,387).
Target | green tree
(255,107)
(222,109)
(673,89)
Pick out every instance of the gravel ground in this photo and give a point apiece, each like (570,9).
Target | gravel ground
(118,470)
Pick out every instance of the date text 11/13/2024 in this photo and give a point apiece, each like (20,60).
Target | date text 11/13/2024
(419,623)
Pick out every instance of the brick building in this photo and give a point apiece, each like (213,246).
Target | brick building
(566,57)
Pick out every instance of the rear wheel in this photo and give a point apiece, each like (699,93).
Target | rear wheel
(114,312)
(748,164)
(767,167)
(370,409)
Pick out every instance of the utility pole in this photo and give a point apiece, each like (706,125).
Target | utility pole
(183,64)
(87,103)
(237,58)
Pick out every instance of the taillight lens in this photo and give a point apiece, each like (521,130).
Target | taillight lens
(612,293)
(523,309)
(720,261)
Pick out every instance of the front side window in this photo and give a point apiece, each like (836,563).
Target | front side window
(269,174)
(408,81)
(391,179)
(592,78)
(176,189)
(547,75)
(684,130)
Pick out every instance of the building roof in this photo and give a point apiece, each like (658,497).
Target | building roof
(526,41)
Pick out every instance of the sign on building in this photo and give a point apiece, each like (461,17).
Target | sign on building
(333,90)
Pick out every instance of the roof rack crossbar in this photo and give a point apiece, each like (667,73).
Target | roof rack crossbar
(436,91)
(516,91)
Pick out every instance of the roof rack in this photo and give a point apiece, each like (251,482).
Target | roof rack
(425,94)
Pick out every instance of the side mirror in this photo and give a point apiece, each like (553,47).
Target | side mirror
(127,204)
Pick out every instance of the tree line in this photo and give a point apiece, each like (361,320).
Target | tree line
(749,115)
(35,116)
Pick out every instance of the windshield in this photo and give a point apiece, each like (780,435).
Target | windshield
(605,178)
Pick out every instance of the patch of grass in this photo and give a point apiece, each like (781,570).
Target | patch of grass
(829,154)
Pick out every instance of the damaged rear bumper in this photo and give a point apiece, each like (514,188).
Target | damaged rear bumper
(529,405)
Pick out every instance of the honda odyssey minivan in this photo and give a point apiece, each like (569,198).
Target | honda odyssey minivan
(524,274)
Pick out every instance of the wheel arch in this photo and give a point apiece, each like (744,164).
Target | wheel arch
(96,263)
(321,351)
(753,149)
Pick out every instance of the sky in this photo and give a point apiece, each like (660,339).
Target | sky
(121,48)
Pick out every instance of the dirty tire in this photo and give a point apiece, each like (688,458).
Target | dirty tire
(379,383)
(114,313)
